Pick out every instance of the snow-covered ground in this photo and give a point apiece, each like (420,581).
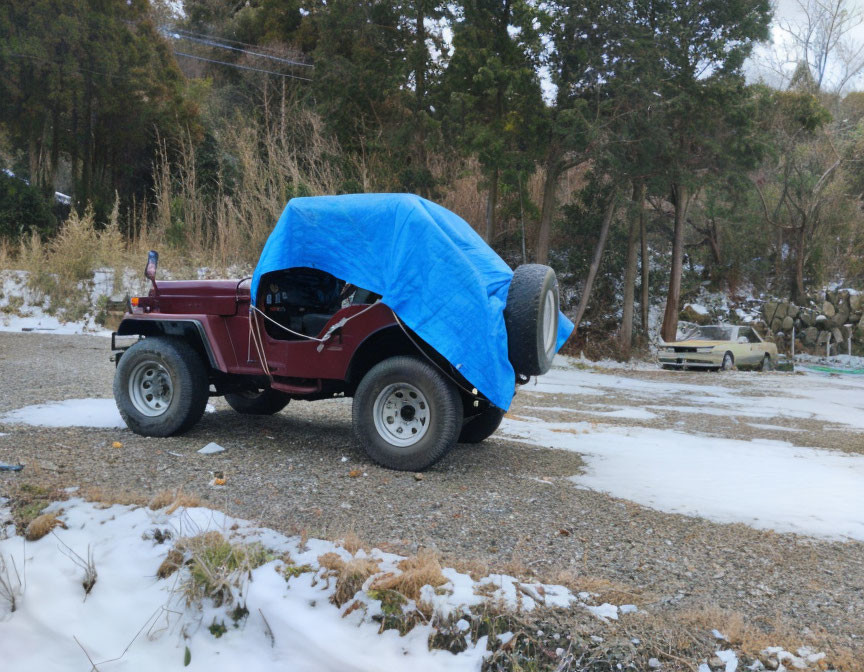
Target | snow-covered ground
(99,413)
(816,397)
(132,620)
(768,484)
(20,312)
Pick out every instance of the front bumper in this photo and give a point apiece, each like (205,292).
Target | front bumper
(690,360)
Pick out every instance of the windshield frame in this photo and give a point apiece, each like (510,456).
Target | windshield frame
(722,332)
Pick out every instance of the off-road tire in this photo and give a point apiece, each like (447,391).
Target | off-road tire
(188,376)
(444,413)
(728,362)
(533,292)
(258,402)
(767,364)
(480,427)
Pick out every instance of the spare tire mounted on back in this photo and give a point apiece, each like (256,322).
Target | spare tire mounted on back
(531,316)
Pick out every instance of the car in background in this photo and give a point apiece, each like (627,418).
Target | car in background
(719,347)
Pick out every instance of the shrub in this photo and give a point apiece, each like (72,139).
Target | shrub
(23,210)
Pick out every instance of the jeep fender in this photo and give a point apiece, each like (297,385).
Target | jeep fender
(193,331)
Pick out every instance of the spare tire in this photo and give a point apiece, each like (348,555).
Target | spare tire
(531,316)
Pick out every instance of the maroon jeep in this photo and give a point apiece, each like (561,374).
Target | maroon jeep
(315,338)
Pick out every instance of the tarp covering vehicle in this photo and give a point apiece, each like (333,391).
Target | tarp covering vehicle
(427,264)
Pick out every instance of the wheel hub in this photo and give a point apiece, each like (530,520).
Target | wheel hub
(150,388)
(401,414)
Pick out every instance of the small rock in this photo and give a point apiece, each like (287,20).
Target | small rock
(116,444)
(211,448)
(654,664)
(418,476)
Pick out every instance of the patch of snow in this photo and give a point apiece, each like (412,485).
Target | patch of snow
(697,308)
(32,317)
(211,448)
(101,413)
(288,619)
(627,412)
(730,659)
(830,399)
(605,611)
(773,428)
(766,484)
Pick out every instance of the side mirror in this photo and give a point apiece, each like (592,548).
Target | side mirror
(150,268)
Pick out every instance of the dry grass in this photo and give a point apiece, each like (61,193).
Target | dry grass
(605,590)
(752,639)
(350,575)
(42,525)
(171,501)
(110,497)
(172,562)
(218,569)
(423,569)
(352,543)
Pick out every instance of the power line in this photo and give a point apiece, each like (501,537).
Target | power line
(241,67)
(178,35)
(185,31)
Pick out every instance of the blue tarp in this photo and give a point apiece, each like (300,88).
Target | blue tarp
(428,265)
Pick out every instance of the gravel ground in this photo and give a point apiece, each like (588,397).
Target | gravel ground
(481,503)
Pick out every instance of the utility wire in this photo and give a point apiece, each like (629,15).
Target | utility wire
(241,67)
(178,35)
(185,31)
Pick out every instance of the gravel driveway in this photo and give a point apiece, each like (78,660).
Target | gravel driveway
(504,504)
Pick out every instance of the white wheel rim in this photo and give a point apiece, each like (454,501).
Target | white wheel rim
(550,321)
(402,415)
(150,388)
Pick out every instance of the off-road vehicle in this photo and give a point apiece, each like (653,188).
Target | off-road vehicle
(310,335)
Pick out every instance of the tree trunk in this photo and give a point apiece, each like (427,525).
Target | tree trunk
(87,144)
(625,335)
(798,287)
(550,191)
(643,234)
(670,317)
(420,94)
(598,255)
(491,205)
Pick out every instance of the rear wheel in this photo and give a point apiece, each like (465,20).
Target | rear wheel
(728,362)
(257,402)
(480,427)
(406,414)
(161,387)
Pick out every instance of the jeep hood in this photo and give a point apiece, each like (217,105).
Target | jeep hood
(436,273)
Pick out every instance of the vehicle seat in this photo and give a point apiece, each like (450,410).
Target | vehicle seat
(301,299)
(314,323)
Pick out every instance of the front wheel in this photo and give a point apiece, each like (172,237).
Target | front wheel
(480,427)
(767,364)
(257,402)
(161,387)
(728,362)
(406,414)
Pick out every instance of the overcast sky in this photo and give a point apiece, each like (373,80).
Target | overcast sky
(789,11)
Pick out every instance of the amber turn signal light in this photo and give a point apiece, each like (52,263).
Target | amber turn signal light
(134,301)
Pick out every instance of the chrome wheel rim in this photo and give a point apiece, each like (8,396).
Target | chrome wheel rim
(401,413)
(549,322)
(150,388)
